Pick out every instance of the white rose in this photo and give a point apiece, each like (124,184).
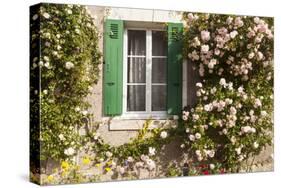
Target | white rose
(198,84)
(191,137)
(151,151)
(77,109)
(211,153)
(46,15)
(205,35)
(69,11)
(212,166)
(212,63)
(204,49)
(84,112)
(70,151)
(45,91)
(255,145)
(257,103)
(35,17)
(233,111)
(108,154)
(69,65)
(61,137)
(233,34)
(222,82)
(251,55)
(197,135)
(263,113)
(238,150)
(163,134)
(150,164)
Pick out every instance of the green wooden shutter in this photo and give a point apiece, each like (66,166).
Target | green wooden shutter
(174,82)
(113,68)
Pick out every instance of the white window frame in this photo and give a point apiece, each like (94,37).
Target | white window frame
(148,113)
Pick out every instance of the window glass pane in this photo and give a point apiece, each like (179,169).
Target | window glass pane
(159,98)
(136,98)
(159,70)
(136,70)
(159,43)
(136,42)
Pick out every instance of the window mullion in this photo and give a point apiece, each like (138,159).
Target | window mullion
(148,70)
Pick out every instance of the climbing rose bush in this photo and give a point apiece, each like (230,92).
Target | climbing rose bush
(233,119)
(68,64)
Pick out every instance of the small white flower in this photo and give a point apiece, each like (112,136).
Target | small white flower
(163,134)
(222,82)
(233,34)
(233,140)
(255,145)
(175,117)
(182,146)
(69,65)
(197,135)
(251,55)
(187,130)
(233,111)
(69,11)
(205,35)
(263,113)
(70,151)
(84,112)
(204,49)
(198,152)
(130,159)
(184,117)
(77,109)
(212,166)
(257,103)
(191,137)
(150,164)
(238,150)
(260,56)
(77,31)
(61,137)
(97,135)
(41,63)
(108,154)
(46,15)
(198,84)
(151,151)
(45,91)
(34,17)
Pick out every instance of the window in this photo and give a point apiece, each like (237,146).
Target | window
(145,70)
(142,71)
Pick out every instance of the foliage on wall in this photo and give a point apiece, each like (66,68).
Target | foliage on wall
(68,64)
(233,119)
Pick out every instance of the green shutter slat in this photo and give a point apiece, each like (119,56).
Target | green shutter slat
(113,67)
(174,82)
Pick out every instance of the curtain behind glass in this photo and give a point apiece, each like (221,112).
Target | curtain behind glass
(136,73)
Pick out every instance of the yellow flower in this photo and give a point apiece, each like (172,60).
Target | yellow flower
(98,165)
(65,165)
(86,160)
(107,169)
(50,178)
